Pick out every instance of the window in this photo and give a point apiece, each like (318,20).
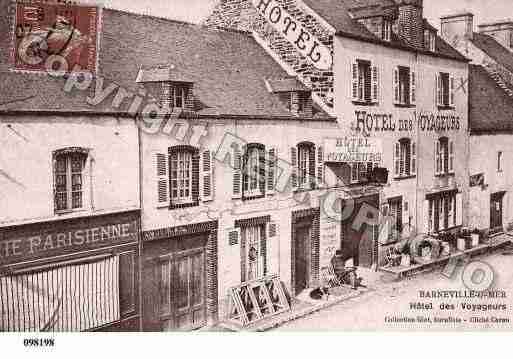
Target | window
(365,82)
(180,166)
(443,212)
(445,90)
(253,181)
(395,213)
(298,101)
(511,40)
(430,40)
(175,94)
(386,30)
(69,166)
(360,172)
(444,156)
(306,165)
(404,86)
(499,161)
(254,252)
(405,158)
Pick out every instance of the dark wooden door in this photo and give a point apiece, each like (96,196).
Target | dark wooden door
(189,289)
(302,258)
(496,208)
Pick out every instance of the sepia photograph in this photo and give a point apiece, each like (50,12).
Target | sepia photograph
(280,166)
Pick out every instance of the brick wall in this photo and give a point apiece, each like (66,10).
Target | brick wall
(410,22)
(241,15)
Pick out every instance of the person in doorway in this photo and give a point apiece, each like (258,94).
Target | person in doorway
(345,274)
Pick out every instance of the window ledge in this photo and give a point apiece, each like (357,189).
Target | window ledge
(445,107)
(364,103)
(442,175)
(183,205)
(253,197)
(403,178)
(70,211)
(404,105)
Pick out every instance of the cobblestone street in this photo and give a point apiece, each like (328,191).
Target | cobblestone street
(393,299)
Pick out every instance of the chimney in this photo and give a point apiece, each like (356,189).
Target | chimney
(502,31)
(457,26)
(410,22)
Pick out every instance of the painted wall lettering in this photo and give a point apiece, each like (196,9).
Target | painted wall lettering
(427,122)
(438,122)
(295,33)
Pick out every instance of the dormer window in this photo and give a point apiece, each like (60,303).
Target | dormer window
(430,40)
(175,95)
(298,101)
(386,30)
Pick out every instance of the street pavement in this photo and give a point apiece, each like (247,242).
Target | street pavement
(389,303)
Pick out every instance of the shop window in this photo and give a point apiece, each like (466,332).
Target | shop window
(445,87)
(443,212)
(404,86)
(70,298)
(405,158)
(444,156)
(365,82)
(500,155)
(69,179)
(253,178)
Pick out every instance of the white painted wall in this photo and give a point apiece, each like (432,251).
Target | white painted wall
(26,173)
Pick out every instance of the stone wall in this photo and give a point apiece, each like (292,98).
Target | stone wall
(241,15)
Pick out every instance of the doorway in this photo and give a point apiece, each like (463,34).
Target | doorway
(496,212)
(302,260)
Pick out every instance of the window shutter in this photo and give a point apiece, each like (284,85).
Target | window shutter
(320,167)
(375,84)
(271,171)
(397,159)
(451,91)
(233,236)
(437,157)
(293,160)
(451,156)
(237,173)
(438,93)
(207,180)
(459,209)
(354,81)
(413,158)
(396,85)
(413,84)
(162,167)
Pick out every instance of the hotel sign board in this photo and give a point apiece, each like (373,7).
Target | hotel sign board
(353,149)
(295,33)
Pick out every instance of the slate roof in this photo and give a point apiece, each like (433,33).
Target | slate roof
(490,108)
(228,68)
(338,13)
(494,49)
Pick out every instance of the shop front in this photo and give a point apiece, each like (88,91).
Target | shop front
(179,283)
(70,275)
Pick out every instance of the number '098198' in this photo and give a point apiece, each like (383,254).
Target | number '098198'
(39,342)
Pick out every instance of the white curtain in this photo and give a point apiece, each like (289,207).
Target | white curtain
(66,299)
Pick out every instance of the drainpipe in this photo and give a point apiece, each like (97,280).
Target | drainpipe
(140,244)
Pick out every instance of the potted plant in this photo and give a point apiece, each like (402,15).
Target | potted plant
(464,239)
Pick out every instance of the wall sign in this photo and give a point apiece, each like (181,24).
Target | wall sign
(367,122)
(477,180)
(295,33)
(36,241)
(353,149)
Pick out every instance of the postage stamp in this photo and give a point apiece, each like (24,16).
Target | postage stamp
(43,29)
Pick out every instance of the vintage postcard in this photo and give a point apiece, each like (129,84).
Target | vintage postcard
(256,165)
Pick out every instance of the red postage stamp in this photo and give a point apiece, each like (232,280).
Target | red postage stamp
(44,31)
